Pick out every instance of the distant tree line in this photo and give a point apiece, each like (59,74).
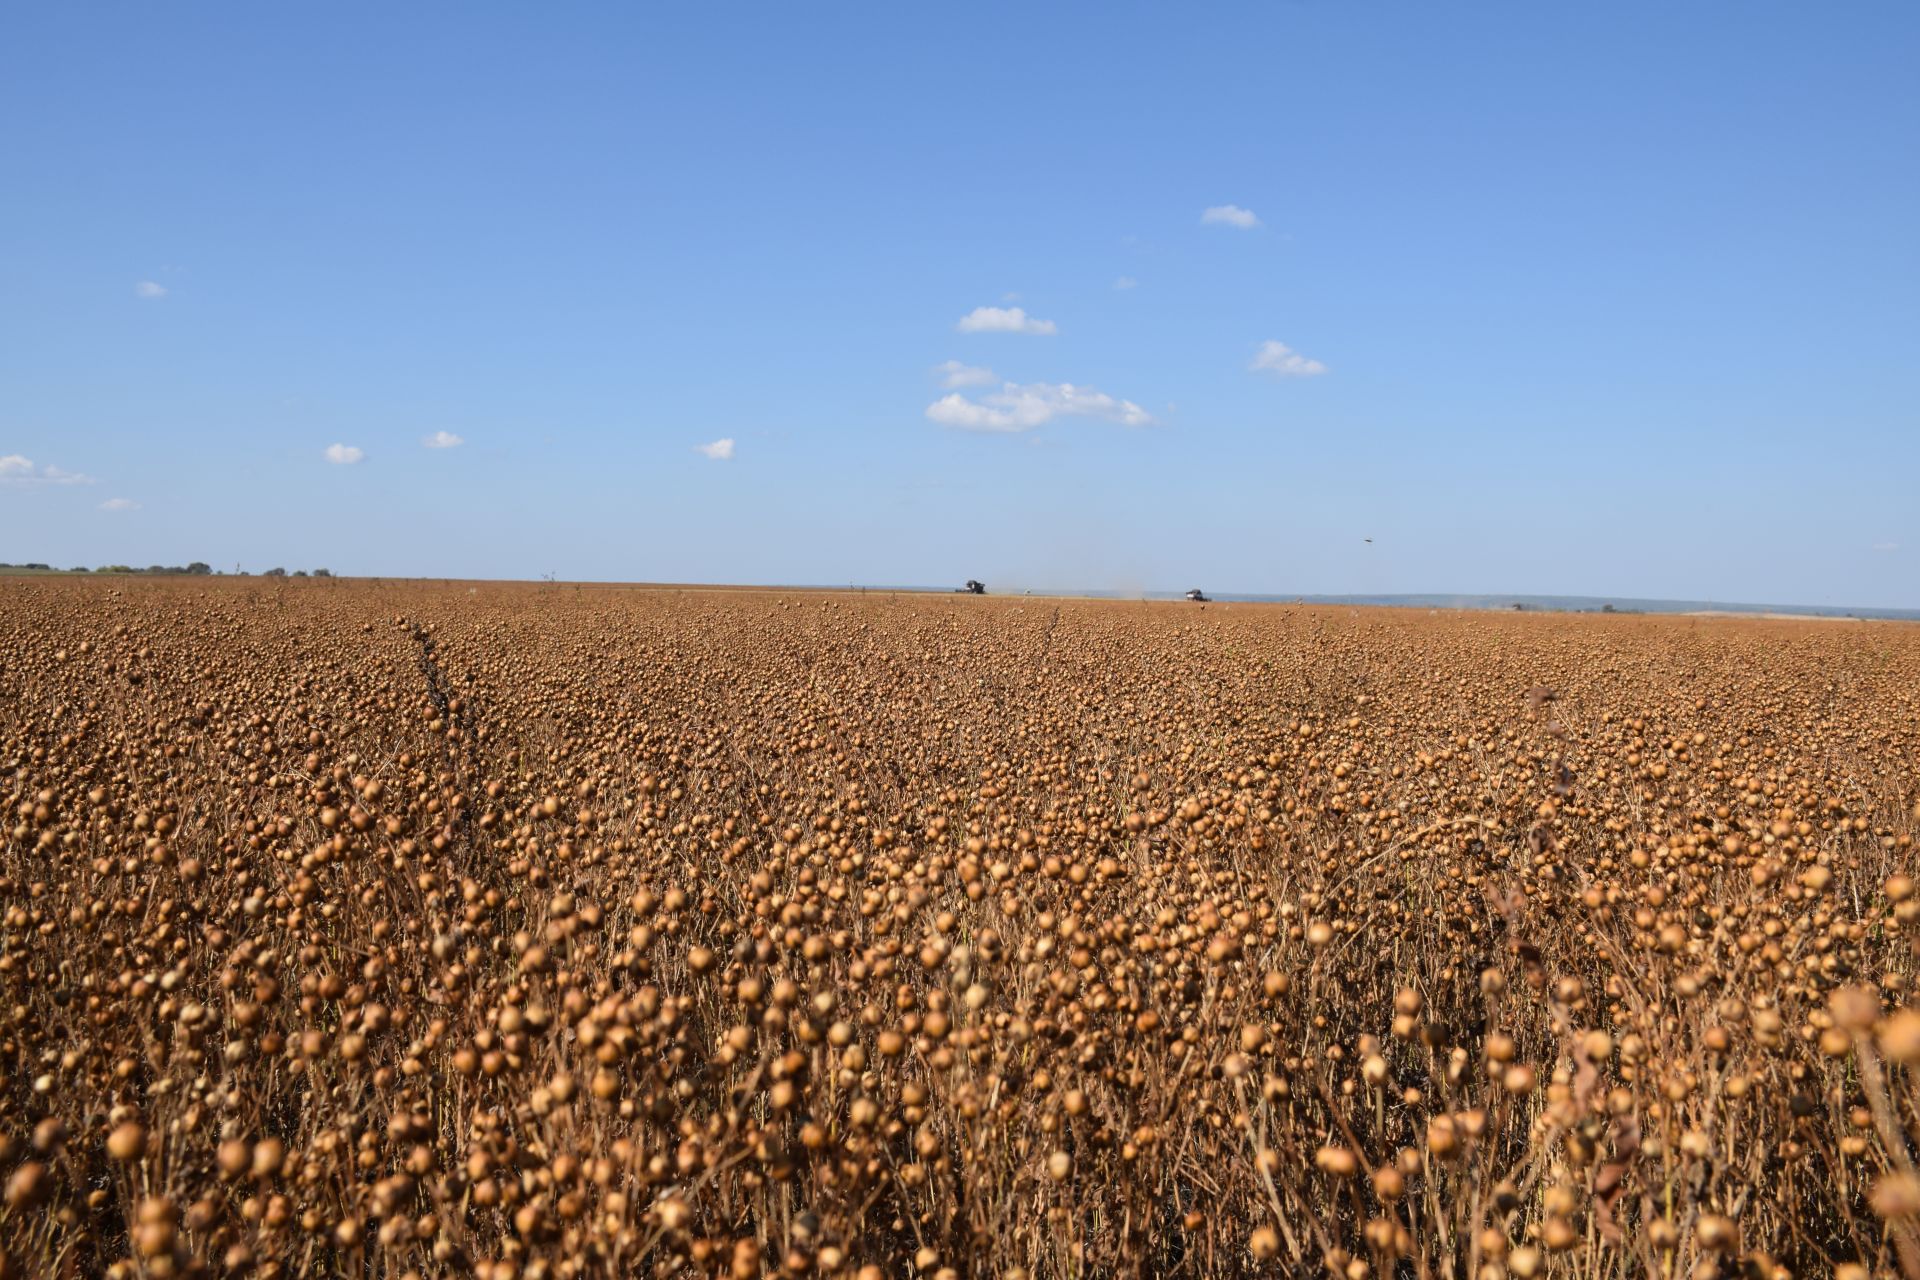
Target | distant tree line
(199,568)
(196,569)
(34,566)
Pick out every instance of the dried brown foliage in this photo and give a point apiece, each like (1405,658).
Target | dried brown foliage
(360,929)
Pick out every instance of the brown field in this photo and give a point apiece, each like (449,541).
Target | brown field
(512,931)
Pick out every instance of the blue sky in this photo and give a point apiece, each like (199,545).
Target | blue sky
(1600,299)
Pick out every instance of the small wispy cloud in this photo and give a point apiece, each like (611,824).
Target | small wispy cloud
(1230,215)
(1282,361)
(21,472)
(1126,282)
(345,455)
(1004,320)
(443,440)
(1885,547)
(150,289)
(954,375)
(720,450)
(119,504)
(1022,407)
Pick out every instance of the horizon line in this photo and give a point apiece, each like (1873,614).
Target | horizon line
(1462,600)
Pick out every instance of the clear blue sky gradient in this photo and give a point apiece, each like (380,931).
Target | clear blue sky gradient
(1612,299)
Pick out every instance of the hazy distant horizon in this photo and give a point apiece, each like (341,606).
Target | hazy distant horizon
(1469,600)
(1415,600)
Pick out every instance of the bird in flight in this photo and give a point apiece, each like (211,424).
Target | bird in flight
(1366,539)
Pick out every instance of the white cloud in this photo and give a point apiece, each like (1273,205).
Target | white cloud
(1282,361)
(149,289)
(1886,546)
(16,470)
(1125,282)
(1017,407)
(345,454)
(720,450)
(443,440)
(119,504)
(1230,215)
(953,375)
(1004,320)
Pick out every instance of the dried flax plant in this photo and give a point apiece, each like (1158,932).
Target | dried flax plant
(392,930)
